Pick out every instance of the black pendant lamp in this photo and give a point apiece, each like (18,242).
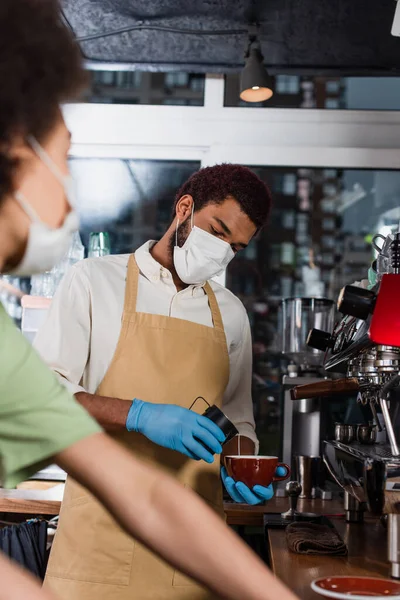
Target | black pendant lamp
(255,83)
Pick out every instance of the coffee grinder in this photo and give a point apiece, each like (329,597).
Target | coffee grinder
(303,424)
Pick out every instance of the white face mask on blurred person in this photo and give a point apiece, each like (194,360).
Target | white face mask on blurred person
(46,246)
(202,256)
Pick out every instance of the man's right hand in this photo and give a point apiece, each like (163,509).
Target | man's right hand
(176,428)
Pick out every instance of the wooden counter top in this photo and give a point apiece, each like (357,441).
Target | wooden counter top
(366,542)
(242,514)
(367,556)
(367,545)
(32,498)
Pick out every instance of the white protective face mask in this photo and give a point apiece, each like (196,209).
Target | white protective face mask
(46,246)
(202,257)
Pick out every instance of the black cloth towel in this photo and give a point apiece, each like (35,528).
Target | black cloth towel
(310,538)
(26,544)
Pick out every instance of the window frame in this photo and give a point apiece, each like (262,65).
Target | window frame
(214,134)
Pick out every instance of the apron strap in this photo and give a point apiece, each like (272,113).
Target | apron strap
(131,287)
(131,290)
(215,312)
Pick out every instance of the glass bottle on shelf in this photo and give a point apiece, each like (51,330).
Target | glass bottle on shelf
(10,296)
(45,284)
(99,244)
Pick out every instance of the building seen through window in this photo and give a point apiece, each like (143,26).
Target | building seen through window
(322,225)
(335,93)
(139,87)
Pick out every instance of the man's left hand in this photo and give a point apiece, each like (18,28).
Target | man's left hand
(241,493)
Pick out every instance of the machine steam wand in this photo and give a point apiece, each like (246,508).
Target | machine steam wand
(391,384)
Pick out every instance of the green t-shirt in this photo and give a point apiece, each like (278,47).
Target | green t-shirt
(38,416)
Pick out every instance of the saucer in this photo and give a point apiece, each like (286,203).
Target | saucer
(357,588)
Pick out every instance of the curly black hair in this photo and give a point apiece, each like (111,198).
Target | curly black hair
(213,185)
(40,68)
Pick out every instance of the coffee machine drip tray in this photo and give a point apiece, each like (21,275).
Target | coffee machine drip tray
(376,451)
(368,473)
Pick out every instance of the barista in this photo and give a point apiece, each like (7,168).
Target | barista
(39,420)
(154,327)
(182,336)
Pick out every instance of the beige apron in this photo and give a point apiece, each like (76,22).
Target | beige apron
(162,360)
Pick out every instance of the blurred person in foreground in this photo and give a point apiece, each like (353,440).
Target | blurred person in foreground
(40,422)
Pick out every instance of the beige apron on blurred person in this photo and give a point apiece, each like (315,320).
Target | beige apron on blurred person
(162,360)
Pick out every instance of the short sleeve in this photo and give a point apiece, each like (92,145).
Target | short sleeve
(38,416)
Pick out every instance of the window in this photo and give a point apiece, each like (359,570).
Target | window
(330,173)
(346,207)
(176,80)
(130,199)
(332,86)
(285,183)
(287,84)
(175,102)
(332,103)
(139,87)
(351,93)
(289,184)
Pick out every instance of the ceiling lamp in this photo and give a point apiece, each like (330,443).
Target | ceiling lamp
(255,83)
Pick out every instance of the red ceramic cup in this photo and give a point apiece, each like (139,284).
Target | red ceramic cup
(255,470)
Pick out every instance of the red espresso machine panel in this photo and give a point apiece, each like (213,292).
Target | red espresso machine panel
(385,323)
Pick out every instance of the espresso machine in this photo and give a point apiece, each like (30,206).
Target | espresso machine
(303,422)
(365,347)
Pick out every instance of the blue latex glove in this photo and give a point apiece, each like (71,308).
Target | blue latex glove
(176,428)
(240,492)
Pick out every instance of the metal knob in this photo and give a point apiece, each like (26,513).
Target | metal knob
(293,489)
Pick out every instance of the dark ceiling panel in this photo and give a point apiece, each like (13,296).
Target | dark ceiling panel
(318,36)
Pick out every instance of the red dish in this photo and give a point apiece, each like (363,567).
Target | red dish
(357,588)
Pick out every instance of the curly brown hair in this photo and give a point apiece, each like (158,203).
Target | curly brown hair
(40,67)
(213,185)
